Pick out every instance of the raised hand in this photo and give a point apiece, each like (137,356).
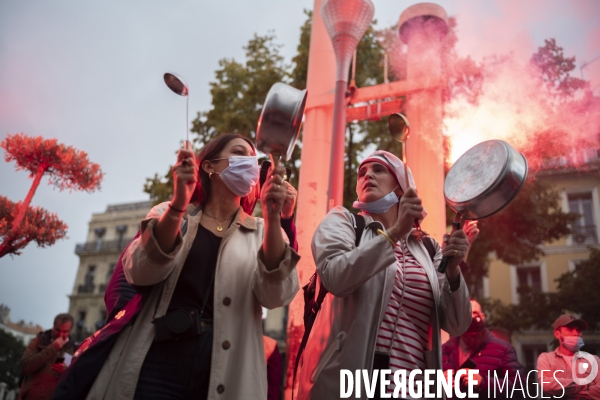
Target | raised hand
(60,342)
(290,201)
(185,176)
(274,193)
(409,209)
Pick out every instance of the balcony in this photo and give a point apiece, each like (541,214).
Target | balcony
(110,246)
(82,289)
(584,234)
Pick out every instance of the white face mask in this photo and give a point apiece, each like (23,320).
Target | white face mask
(378,206)
(572,343)
(241,175)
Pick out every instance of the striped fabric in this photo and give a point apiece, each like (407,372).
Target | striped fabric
(410,337)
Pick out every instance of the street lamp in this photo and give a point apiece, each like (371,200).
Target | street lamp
(346,22)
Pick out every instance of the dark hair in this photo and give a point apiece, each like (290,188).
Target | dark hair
(62,318)
(210,151)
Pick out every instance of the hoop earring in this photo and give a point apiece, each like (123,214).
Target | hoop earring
(210,175)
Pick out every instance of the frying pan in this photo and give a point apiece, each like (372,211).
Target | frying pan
(177,84)
(482,182)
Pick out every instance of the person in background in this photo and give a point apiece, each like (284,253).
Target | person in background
(478,349)
(45,359)
(557,380)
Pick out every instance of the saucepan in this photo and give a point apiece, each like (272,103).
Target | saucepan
(484,180)
(280,121)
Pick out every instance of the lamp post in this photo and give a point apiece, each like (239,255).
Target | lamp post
(346,22)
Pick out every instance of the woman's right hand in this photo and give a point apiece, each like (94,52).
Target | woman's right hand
(185,176)
(409,210)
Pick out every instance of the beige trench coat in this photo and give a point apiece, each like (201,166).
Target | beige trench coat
(242,286)
(360,281)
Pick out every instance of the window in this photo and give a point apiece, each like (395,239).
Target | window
(530,276)
(531,352)
(80,319)
(584,228)
(89,276)
(99,235)
(121,229)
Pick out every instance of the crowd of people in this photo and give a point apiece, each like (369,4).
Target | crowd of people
(185,300)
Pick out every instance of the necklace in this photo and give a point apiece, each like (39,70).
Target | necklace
(219,220)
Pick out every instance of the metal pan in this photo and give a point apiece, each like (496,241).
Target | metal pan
(280,120)
(482,182)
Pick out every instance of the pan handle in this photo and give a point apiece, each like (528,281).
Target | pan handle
(445,260)
(275,158)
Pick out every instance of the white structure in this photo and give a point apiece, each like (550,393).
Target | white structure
(25,332)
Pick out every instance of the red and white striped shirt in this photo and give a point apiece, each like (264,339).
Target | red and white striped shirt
(411,332)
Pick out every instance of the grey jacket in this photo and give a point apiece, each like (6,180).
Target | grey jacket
(242,285)
(360,281)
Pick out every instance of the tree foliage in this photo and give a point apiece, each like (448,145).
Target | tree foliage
(516,233)
(238,94)
(556,69)
(66,167)
(38,225)
(239,91)
(576,293)
(11,351)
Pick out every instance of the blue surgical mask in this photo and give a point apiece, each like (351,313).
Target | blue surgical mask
(378,206)
(572,343)
(241,175)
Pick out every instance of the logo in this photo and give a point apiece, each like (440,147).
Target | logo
(584,368)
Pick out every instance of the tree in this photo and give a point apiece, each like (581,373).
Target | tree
(67,168)
(555,70)
(516,233)
(238,94)
(576,293)
(11,351)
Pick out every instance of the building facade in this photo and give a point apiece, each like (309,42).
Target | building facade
(109,232)
(24,332)
(579,188)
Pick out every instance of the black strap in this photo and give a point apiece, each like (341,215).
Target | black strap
(428,243)
(359,227)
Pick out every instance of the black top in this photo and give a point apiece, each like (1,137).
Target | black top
(197,274)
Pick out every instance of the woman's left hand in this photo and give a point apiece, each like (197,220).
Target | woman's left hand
(290,201)
(273,191)
(455,246)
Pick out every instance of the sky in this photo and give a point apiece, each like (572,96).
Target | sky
(90,74)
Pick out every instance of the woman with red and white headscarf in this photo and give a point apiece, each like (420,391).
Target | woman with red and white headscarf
(387,302)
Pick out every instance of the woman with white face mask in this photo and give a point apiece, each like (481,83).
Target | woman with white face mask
(387,302)
(211,267)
